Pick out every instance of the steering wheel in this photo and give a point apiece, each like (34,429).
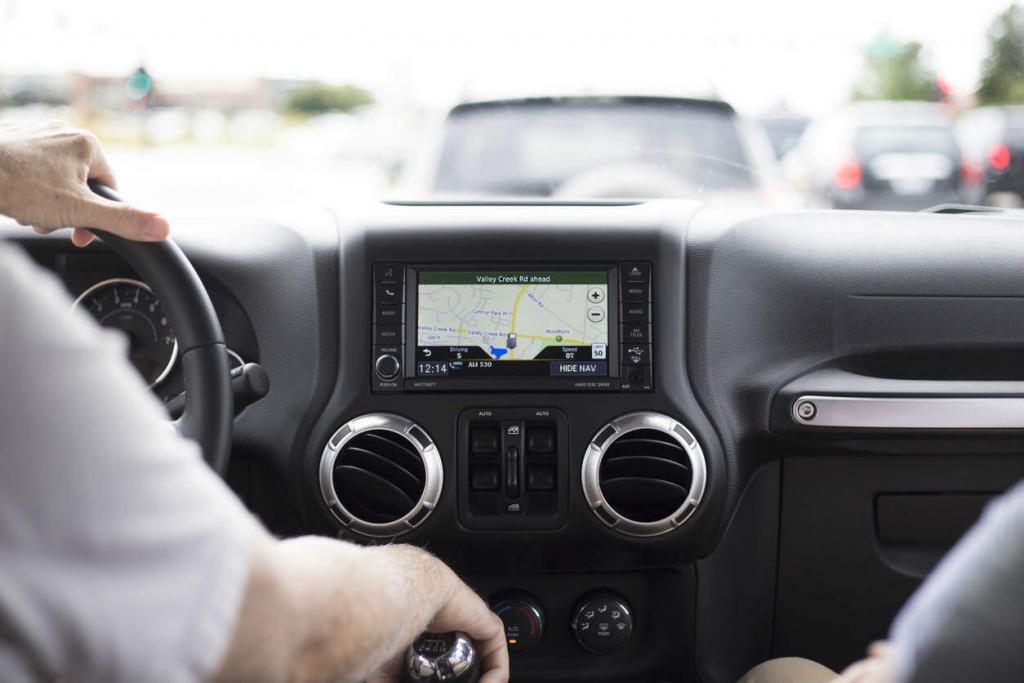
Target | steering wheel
(209,407)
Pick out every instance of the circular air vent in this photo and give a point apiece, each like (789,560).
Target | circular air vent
(380,474)
(644,474)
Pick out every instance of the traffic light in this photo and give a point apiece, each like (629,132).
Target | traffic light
(138,88)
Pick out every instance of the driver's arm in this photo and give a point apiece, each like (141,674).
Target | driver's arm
(125,559)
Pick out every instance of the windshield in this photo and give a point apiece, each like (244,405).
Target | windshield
(556,148)
(226,106)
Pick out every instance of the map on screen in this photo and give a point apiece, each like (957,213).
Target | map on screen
(514,315)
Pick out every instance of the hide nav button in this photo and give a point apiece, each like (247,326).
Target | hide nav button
(573,368)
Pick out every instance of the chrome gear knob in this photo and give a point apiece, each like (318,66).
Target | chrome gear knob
(442,657)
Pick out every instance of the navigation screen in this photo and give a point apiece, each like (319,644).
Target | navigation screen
(526,323)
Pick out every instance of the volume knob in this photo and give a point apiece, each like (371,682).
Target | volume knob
(387,366)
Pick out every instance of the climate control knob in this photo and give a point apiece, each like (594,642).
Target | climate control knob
(523,618)
(602,623)
(387,366)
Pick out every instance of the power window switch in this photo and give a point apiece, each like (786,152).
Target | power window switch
(540,477)
(484,478)
(540,440)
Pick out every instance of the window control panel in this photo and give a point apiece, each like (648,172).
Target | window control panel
(513,468)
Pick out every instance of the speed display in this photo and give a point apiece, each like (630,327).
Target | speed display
(521,323)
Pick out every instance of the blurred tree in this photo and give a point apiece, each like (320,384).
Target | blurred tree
(1002,72)
(318,98)
(896,70)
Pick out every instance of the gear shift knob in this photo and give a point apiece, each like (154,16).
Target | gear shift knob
(442,657)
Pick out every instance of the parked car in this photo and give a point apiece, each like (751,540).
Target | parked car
(602,147)
(784,131)
(881,155)
(992,142)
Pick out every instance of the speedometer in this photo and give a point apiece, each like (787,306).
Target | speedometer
(130,306)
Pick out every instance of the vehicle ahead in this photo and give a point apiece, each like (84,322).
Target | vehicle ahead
(881,155)
(992,142)
(784,131)
(602,147)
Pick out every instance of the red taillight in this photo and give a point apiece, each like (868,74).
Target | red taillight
(999,157)
(970,174)
(847,176)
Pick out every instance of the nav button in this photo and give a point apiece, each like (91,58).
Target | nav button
(388,273)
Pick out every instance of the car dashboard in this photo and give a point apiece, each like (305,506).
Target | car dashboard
(712,437)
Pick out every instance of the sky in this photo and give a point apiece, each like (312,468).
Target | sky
(757,54)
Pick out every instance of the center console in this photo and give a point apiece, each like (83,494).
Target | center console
(512,395)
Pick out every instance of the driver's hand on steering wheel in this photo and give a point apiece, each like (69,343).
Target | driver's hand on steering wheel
(44,170)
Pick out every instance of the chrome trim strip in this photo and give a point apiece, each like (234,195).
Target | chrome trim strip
(432,467)
(592,469)
(926,412)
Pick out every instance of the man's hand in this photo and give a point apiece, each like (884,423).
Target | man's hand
(318,610)
(44,171)
(462,611)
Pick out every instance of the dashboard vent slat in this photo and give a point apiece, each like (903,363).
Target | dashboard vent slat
(370,496)
(648,478)
(376,478)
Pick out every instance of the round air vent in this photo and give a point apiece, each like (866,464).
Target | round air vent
(380,474)
(644,474)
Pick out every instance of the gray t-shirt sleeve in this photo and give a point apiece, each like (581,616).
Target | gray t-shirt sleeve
(123,558)
(966,622)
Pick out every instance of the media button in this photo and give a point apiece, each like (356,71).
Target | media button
(387,334)
(388,273)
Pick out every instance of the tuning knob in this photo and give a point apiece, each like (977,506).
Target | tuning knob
(447,657)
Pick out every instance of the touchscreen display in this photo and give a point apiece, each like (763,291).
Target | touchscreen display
(528,323)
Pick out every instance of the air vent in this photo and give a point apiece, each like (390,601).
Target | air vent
(645,476)
(380,475)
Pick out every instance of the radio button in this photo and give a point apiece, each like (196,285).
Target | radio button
(388,293)
(390,314)
(387,366)
(636,293)
(388,273)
